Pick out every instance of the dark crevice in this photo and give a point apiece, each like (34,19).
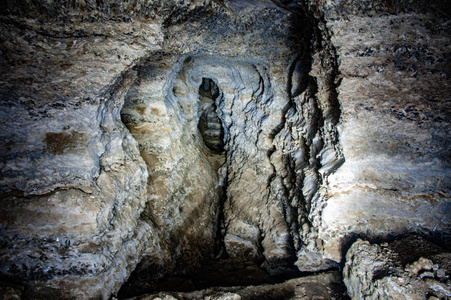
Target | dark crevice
(225,272)
(299,81)
(210,125)
(219,250)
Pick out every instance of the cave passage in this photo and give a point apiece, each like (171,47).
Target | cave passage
(210,125)
(188,145)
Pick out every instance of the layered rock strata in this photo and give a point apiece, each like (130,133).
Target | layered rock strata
(152,135)
(394,94)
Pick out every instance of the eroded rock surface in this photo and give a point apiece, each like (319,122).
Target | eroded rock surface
(394,97)
(154,135)
(410,268)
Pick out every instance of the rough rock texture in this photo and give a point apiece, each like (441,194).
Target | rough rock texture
(394,93)
(333,115)
(410,268)
(73,182)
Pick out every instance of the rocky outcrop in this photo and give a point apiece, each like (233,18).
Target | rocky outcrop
(153,135)
(410,268)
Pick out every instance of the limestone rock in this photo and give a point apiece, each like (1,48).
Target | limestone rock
(394,99)
(152,135)
(397,270)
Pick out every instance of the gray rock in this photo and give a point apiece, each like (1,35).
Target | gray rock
(375,272)
(326,119)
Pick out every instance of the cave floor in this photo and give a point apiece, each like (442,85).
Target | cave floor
(226,279)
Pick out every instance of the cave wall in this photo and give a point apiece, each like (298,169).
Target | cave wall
(73,182)
(394,94)
(335,118)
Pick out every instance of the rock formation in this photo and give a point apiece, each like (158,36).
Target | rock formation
(409,268)
(149,136)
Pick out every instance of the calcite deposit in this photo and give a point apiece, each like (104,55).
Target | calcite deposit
(141,139)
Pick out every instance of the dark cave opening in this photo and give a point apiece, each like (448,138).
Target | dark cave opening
(210,125)
(222,272)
